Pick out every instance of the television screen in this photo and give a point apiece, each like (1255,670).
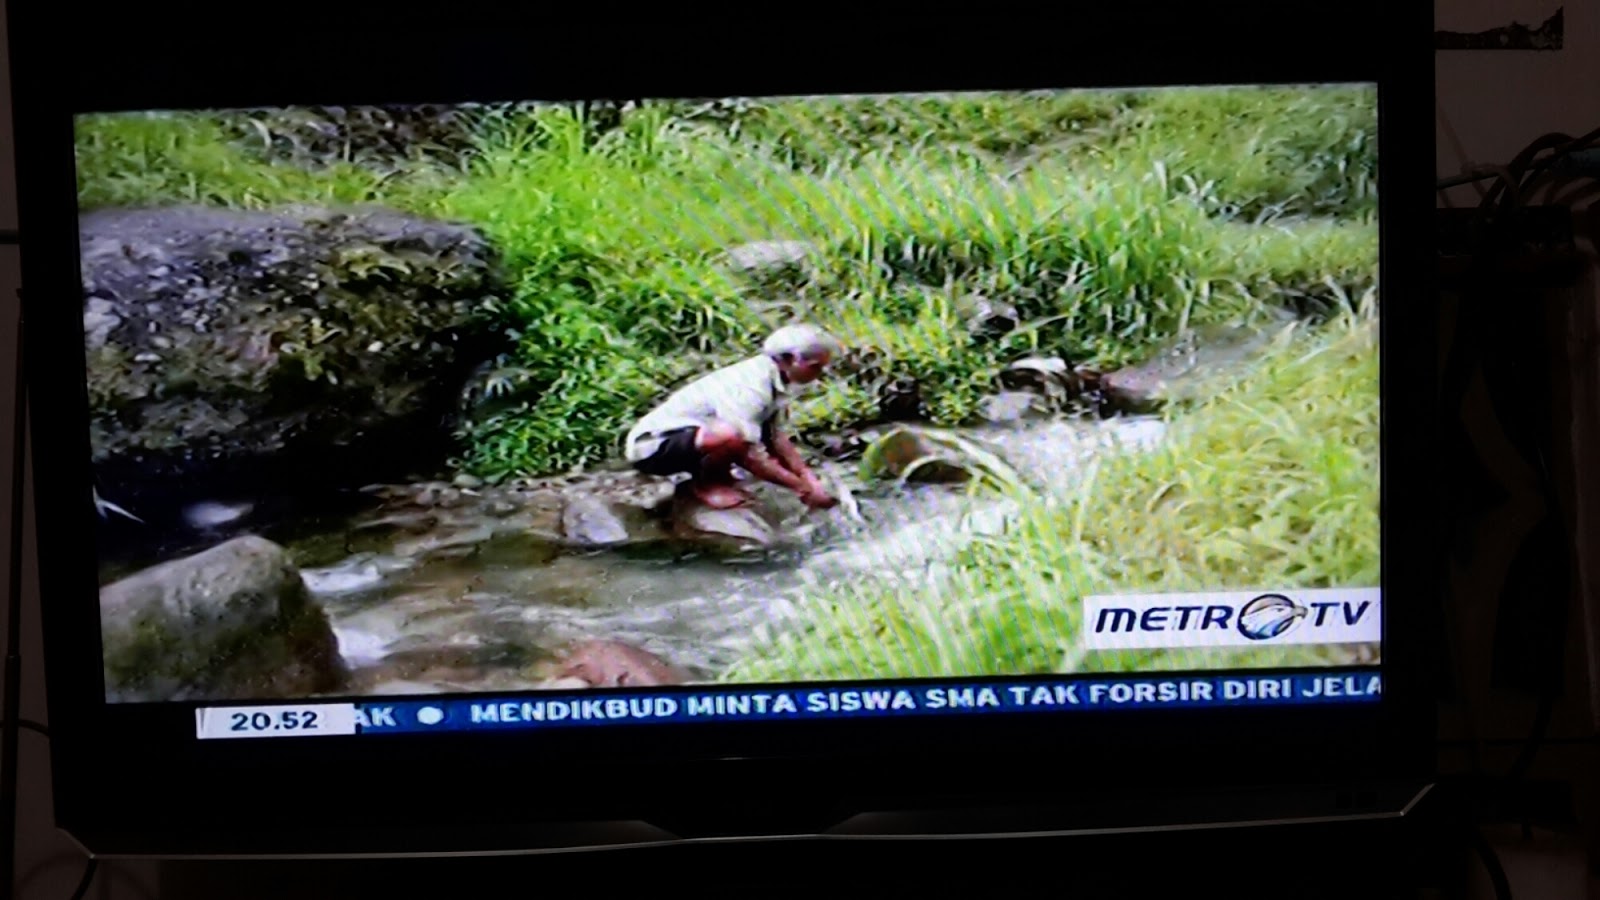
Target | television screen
(430,417)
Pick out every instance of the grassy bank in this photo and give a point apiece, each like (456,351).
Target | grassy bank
(1272,483)
(1109,220)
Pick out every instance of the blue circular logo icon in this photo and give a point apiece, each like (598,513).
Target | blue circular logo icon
(1269,616)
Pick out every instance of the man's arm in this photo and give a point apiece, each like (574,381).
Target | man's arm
(788,455)
(788,468)
(762,465)
(812,492)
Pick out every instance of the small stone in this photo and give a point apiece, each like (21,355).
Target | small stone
(769,254)
(1048,376)
(591,522)
(616,664)
(842,446)
(1009,406)
(1037,367)
(1132,391)
(988,317)
(901,401)
(568,683)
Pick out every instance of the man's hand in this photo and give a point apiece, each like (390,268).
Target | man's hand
(810,487)
(764,467)
(817,498)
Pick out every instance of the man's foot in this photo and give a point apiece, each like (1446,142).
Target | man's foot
(719,496)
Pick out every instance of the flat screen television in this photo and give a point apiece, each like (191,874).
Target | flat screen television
(438,444)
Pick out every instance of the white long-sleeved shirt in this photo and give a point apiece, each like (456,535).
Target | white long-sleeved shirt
(748,395)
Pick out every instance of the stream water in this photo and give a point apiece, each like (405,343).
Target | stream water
(495,619)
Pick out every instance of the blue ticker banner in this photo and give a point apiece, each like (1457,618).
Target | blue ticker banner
(756,704)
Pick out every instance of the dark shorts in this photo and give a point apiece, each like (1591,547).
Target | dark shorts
(676,455)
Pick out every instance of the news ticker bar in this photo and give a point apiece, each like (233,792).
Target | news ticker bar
(562,710)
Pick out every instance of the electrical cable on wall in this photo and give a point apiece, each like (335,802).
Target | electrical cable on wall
(1511,186)
(1510,383)
(1560,161)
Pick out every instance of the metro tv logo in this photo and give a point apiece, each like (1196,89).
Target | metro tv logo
(1233,619)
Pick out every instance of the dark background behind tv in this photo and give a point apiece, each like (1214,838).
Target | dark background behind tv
(1490,105)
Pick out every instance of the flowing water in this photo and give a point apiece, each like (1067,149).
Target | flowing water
(495,619)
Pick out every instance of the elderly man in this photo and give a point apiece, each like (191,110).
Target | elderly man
(734,416)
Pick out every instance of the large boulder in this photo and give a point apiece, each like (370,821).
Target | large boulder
(240,355)
(231,623)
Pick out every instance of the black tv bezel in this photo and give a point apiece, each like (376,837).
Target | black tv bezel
(134,779)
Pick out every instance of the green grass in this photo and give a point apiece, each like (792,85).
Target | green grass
(1110,218)
(1272,482)
(129,160)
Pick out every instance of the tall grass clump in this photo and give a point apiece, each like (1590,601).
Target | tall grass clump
(1261,153)
(1271,482)
(816,134)
(161,159)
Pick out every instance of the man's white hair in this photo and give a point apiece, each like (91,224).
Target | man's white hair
(800,341)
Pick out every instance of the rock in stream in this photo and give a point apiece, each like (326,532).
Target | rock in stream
(233,622)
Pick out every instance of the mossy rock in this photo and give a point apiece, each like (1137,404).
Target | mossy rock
(295,349)
(934,456)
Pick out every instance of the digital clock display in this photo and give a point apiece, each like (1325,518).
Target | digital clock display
(276,721)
